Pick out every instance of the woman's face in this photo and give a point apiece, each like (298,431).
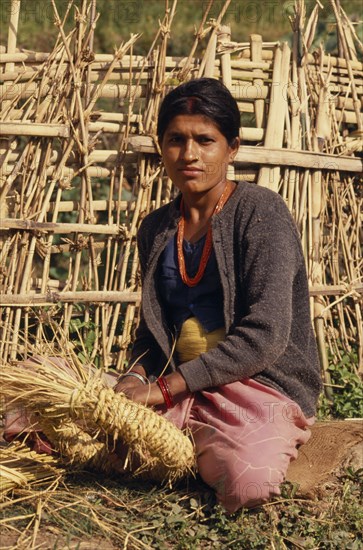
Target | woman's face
(196,154)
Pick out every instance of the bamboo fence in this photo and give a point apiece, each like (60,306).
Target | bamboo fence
(80,169)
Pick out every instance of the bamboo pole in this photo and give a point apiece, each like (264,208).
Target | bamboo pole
(275,123)
(31,129)
(242,68)
(13,32)
(343,41)
(7,145)
(243,90)
(256,56)
(30,225)
(98,205)
(32,298)
(102,61)
(270,155)
(224,36)
(314,290)
(91,296)
(246,156)
(208,63)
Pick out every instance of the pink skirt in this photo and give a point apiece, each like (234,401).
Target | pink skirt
(245,436)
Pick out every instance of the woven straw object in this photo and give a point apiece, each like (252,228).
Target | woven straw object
(59,397)
(78,448)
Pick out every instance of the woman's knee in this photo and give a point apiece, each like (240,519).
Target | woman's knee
(248,489)
(237,482)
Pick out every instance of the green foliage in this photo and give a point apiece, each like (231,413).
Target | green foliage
(347,389)
(83,336)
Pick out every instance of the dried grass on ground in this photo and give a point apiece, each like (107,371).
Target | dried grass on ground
(90,511)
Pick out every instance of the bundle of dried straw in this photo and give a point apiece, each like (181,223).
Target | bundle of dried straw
(84,419)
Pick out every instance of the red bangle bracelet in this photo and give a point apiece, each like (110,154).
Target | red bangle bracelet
(165,390)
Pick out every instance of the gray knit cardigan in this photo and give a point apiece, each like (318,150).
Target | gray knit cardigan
(266,300)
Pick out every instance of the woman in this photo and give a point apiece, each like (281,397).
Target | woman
(224,282)
(225,309)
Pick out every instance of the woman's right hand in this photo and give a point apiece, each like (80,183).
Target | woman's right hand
(128,384)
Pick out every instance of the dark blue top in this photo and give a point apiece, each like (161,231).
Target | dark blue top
(203,301)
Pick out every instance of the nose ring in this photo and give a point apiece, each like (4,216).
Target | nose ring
(197,158)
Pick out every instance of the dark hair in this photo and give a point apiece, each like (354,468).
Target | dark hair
(202,96)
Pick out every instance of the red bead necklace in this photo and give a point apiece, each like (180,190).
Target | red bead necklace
(207,249)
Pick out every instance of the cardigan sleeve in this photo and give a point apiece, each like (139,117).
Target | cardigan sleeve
(271,276)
